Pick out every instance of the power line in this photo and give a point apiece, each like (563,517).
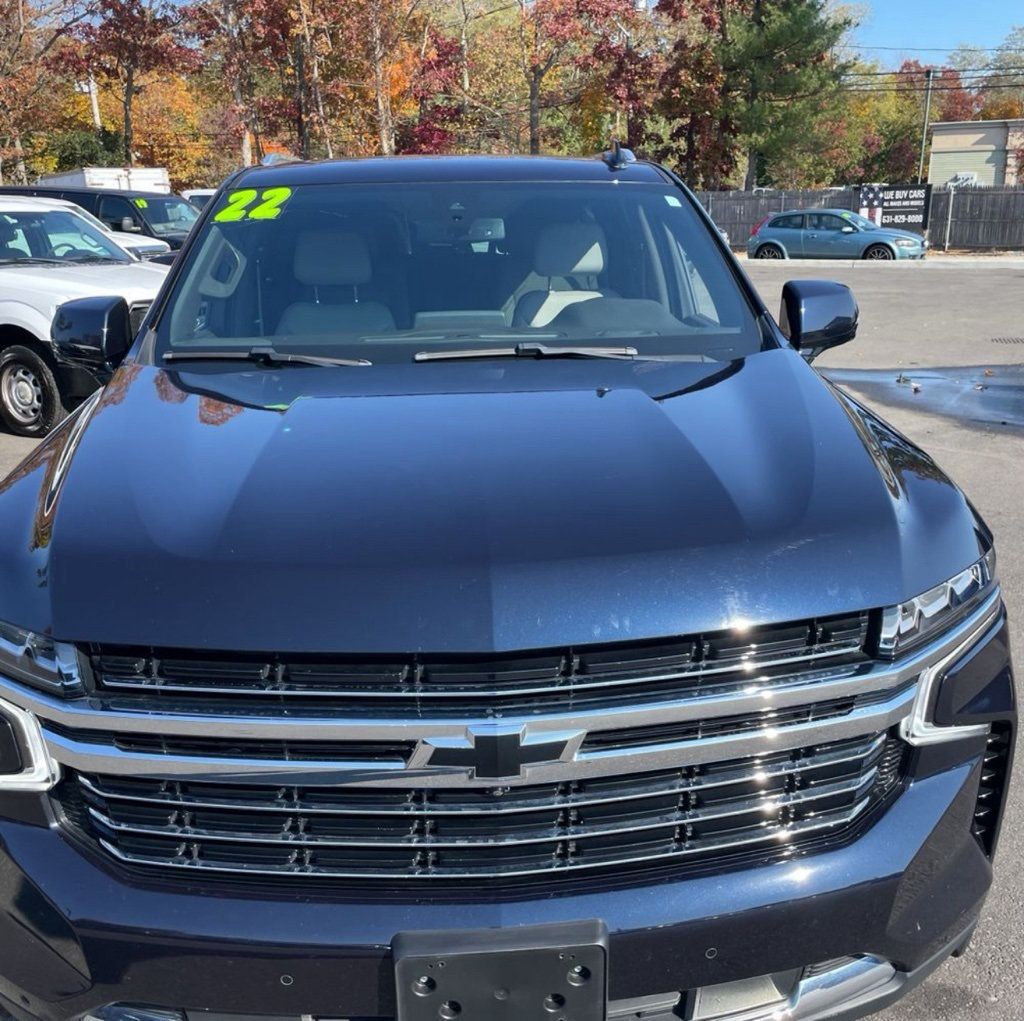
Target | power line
(969,72)
(935,49)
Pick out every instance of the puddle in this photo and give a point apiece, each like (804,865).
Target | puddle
(976,394)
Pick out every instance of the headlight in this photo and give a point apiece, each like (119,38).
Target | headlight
(39,662)
(25,763)
(906,243)
(914,622)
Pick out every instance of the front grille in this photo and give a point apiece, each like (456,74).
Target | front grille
(774,801)
(631,673)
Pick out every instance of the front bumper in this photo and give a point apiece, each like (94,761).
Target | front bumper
(79,934)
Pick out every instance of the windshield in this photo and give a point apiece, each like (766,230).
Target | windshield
(57,235)
(170,215)
(389,273)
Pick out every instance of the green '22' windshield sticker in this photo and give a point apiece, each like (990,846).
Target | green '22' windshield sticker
(251,204)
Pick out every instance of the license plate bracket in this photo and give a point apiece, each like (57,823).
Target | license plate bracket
(535,973)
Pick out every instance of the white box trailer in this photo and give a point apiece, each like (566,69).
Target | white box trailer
(124,178)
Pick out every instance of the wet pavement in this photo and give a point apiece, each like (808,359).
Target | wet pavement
(979,395)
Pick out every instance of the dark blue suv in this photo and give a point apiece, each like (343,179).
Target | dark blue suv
(464,600)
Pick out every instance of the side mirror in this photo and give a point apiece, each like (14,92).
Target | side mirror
(817,315)
(129,226)
(93,334)
(848,229)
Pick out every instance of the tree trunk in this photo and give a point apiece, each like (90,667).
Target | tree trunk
(750,182)
(20,173)
(316,89)
(129,131)
(381,86)
(301,122)
(535,80)
(753,93)
(464,57)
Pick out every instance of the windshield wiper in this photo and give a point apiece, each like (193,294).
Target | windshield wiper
(262,356)
(33,260)
(527,350)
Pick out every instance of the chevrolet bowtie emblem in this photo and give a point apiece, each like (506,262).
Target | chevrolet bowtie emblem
(495,753)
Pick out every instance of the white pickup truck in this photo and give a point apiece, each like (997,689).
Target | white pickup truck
(49,256)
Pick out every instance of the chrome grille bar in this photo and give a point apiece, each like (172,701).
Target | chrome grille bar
(642,789)
(759,802)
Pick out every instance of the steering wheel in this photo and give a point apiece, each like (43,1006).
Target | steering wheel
(66,249)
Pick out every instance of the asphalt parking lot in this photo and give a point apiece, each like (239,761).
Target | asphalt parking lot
(964,320)
(914,318)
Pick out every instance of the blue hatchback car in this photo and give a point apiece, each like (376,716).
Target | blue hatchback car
(830,234)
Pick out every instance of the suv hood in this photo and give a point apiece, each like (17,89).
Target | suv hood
(469,521)
(54,285)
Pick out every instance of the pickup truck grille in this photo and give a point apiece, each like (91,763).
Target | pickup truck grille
(563,679)
(627,760)
(775,801)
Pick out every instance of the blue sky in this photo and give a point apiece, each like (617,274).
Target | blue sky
(934,23)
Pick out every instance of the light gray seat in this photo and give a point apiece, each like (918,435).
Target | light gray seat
(331,259)
(570,256)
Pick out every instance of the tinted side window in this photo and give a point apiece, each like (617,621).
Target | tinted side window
(824,221)
(87,200)
(792,222)
(113,209)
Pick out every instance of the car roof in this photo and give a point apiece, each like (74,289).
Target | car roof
(39,203)
(800,212)
(81,189)
(421,169)
(39,200)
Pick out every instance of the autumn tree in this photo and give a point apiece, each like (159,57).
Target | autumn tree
(555,36)
(746,75)
(127,41)
(30,33)
(243,42)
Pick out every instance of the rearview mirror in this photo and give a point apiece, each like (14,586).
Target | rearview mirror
(129,226)
(93,333)
(817,315)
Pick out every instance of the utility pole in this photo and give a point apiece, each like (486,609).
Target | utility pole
(929,74)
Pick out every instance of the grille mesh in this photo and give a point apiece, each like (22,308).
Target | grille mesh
(553,680)
(371,833)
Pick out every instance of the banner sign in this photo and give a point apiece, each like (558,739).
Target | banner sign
(904,206)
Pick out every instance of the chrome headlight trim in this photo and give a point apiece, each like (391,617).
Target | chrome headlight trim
(926,616)
(917,728)
(41,772)
(39,662)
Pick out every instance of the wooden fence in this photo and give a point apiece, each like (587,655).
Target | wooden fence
(980,218)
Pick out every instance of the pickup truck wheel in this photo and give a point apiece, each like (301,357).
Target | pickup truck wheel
(30,400)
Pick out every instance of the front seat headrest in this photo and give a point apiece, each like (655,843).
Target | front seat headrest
(327,258)
(570,249)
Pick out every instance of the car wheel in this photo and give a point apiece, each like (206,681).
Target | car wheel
(30,400)
(879,252)
(770,252)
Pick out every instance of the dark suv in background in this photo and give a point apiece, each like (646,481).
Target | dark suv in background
(465,600)
(166,217)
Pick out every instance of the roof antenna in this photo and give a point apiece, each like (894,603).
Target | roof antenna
(618,157)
